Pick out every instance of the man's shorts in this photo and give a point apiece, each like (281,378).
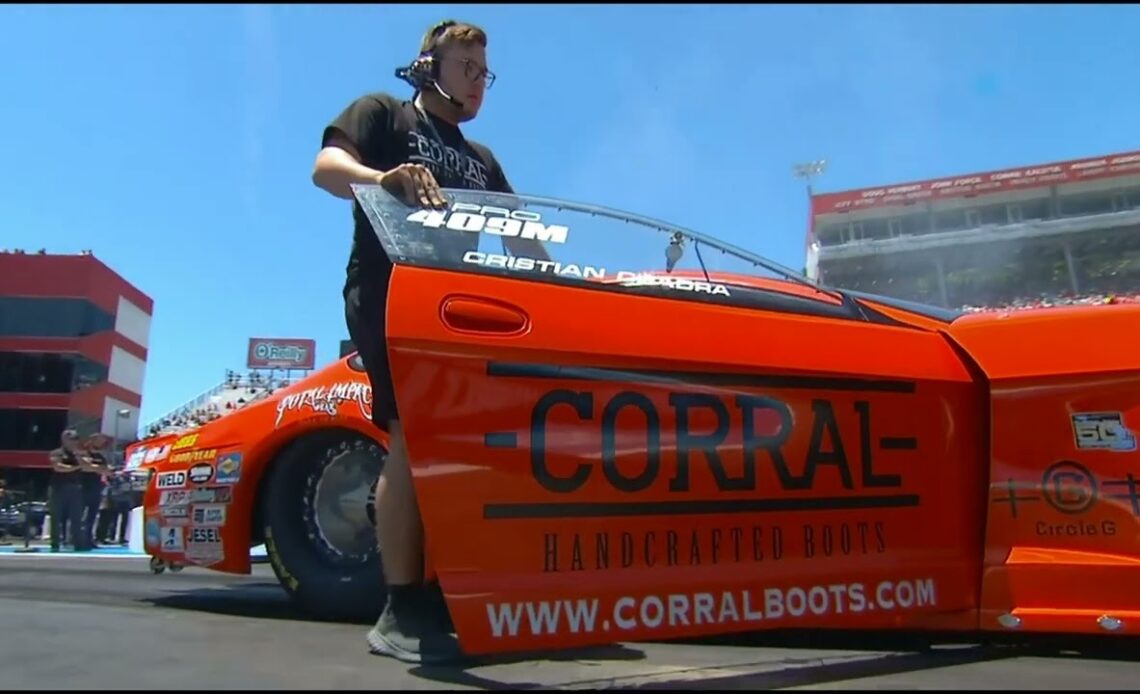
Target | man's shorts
(365,312)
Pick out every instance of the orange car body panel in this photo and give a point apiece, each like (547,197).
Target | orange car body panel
(1061,541)
(595,466)
(336,396)
(878,479)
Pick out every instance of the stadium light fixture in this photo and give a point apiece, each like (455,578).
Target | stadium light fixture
(809,170)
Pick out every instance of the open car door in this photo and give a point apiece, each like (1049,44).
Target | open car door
(621,430)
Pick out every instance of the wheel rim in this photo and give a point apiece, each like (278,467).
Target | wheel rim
(342,522)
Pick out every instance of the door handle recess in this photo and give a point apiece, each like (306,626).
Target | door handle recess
(470,314)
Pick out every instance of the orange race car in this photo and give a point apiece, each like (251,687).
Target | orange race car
(653,434)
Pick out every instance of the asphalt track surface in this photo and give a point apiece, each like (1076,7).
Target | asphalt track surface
(83,622)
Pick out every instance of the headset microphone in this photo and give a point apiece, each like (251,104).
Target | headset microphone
(452,99)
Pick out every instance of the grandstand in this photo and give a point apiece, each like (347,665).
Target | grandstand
(1044,235)
(233,393)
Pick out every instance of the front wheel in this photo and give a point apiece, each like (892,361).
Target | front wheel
(319,527)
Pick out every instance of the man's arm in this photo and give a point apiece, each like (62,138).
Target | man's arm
(58,465)
(359,128)
(338,167)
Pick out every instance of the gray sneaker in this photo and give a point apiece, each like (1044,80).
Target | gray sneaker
(387,638)
(413,638)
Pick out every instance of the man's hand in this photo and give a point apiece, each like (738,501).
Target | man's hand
(415,184)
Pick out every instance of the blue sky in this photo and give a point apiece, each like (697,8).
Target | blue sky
(177,142)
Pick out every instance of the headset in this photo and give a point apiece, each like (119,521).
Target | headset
(423,72)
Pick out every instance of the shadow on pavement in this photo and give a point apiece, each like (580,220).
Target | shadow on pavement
(858,655)
(461,675)
(854,655)
(761,674)
(250,600)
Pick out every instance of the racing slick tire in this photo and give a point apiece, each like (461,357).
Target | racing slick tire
(319,525)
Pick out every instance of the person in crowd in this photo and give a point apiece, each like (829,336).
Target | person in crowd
(94,466)
(114,521)
(67,492)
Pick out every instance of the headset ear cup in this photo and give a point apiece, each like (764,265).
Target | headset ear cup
(424,69)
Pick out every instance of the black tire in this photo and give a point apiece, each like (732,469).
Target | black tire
(326,584)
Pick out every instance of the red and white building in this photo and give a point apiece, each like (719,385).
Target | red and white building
(73,352)
(1041,233)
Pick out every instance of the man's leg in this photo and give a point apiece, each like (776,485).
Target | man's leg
(106,515)
(90,517)
(124,522)
(56,521)
(399,531)
(408,628)
(74,502)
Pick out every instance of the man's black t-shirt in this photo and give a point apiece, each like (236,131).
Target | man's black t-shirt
(388,132)
(93,481)
(61,479)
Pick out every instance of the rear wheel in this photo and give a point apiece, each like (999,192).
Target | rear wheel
(320,528)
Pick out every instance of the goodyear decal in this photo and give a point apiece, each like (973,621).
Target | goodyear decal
(203,455)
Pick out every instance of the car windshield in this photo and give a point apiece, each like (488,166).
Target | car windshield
(546,239)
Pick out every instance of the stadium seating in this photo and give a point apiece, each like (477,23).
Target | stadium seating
(230,395)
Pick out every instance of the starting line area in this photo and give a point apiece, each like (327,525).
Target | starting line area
(133,549)
(39,549)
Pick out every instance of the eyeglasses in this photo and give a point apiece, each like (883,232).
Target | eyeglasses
(473,71)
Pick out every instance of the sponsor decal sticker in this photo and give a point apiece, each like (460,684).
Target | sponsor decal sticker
(155,455)
(327,400)
(169,512)
(193,456)
(199,535)
(204,553)
(201,473)
(1070,492)
(136,458)
(173,497)
(229,469)
(209,515)
(187,441)
(1102,431)
(153,533)
(209,495)
(172,539)
(171,480)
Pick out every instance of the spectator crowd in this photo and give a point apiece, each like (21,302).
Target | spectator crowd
(235,392)
(1055,300)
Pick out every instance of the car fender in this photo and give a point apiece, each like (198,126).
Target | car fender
(1062,500)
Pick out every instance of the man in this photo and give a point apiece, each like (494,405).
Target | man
(94,467)
(114,521)
(66,492)
(413,149)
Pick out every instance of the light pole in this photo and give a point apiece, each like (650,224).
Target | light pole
(808,171)
(120,415)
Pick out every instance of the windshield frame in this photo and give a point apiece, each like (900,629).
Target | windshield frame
(367,195)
